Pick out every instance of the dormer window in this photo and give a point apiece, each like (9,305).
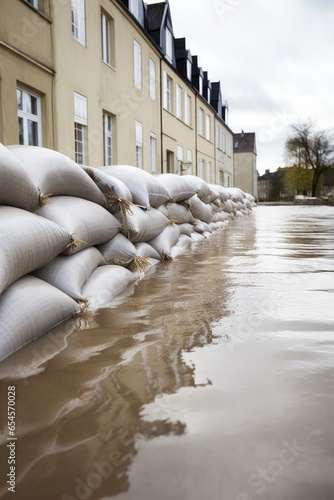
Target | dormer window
(169,45)
(209,95)
(134,8)
(200,86)
(189,69)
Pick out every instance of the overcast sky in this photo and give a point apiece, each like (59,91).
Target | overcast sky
(274,59)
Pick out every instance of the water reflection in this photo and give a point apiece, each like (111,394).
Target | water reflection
(207,371)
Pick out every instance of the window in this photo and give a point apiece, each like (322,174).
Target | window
(137,64)
(209,95)
(201,86)
(179,158)
(201,168)
(108,139)
(78,20)
(152,79)
(29,118)
(208,171)
(106,38)
(201,121)
(208,127)
(167,92)
(189,161)
(134,8)
(187,109)
(178,102)
(139,144)
(34,3)
(80,127)
(169,45)
(189,69)
(153,153)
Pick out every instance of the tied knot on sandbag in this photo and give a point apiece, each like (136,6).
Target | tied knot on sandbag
(186,204)
(173,220)
(140,264)
(44,199)
(74,244)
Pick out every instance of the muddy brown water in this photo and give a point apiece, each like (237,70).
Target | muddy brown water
(211,378)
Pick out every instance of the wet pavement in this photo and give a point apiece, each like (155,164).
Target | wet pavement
(212,378)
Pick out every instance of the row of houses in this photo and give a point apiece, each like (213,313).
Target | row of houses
(106,82)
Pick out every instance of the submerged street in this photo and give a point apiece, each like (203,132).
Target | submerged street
(211,378)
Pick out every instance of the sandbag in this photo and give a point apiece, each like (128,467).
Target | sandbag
(147,251)
(119,250)
(201,227)
(114,190)
(164,241)
(106,282)
(69,273)
(143,224)
(145,189)
(177,213)
(88,223)
(29,308)
(201,187)
(236,194)
(200,210)
(223,193)
(55,174)
(27,242)
(16,187)
(179,187)
(214,192)
(228,207)
(186,228)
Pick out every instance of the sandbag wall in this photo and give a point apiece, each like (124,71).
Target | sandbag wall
(73,237)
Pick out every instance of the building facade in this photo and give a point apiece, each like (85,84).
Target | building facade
(105,82)
(245,171)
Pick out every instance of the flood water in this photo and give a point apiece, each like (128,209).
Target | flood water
(210,379)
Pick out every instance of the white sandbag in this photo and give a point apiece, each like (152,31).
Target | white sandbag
(201,187)
(164,241)
(228,207)
(106,282)
(196,237)
(184,241)
(119,250)
(177,212)
(179,187)
(214,192)
(144,188)
(16,188)
(113,189)
(69,273)
(201,227)
(143,224)
(186,228)
(27,242)
(200,210)
(146,251)
(236,194)
(55,174)
(223,193)
(88,223)
(223,216)
(29,308)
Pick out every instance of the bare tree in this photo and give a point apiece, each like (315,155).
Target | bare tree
(311,149)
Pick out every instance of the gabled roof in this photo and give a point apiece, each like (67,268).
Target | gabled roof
(155,15)
(244,142)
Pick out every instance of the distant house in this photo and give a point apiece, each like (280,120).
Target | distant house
(245,173)
(271,186)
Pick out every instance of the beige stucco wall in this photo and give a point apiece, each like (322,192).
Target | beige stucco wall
(245,175)
(25,60)
(110,88)
(223,153)
(175,132)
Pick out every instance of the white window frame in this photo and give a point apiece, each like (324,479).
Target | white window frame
(28,117)
(137,64)
(139,144)
(80,127)
(209,95)
(208,127)
(153,153)
(152,69)
(201,122)
(106,38)
(169,45)
(187,109)
(108,139)
(78,21)
(168,85)
(178,102)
